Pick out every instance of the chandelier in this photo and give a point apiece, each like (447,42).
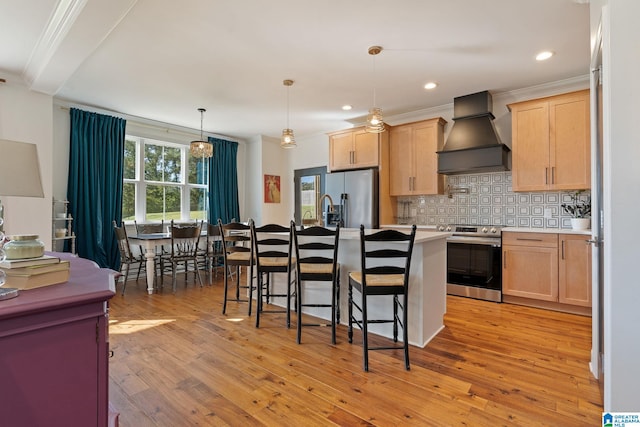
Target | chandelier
(201,148)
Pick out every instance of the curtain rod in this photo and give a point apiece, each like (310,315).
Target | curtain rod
(155,125)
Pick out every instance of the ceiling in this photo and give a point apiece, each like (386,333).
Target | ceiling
(164,59)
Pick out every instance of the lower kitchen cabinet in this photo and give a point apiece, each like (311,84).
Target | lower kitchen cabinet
(547,270)
(574,279)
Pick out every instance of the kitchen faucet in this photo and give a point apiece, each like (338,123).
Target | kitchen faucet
(320,222)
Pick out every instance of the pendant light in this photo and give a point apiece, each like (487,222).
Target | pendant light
(201,148)
(375,122)
(287,140)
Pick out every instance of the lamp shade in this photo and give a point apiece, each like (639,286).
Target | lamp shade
(19,169)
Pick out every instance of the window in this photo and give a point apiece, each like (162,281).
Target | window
(162,181)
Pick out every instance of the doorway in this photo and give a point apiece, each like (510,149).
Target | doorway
(309,186)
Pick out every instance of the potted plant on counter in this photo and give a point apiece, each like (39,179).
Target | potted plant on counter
(580,210)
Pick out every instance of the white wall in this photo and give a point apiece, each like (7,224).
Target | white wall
(621,104)
(25,116)
(253,179)
(275,161)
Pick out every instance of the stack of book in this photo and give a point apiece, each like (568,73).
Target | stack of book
(30,273)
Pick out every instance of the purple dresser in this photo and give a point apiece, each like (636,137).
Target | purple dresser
(54,345)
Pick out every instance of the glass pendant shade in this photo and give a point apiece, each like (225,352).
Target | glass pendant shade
(375,122)
(201,148)
(287,140)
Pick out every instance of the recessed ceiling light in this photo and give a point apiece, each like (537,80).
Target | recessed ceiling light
(431,85)
(346,107)
(542,56)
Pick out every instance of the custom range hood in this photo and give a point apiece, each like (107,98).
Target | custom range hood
(473,146)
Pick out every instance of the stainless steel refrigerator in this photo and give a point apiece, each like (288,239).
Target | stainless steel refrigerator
(355,198)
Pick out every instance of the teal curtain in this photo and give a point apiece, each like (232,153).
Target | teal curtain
(223,181)
(94,188)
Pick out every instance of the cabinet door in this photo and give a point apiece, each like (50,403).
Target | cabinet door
(530,150)
(340,151)
(366,151)
(54,373)
(569,141)
(400,161)
(574,283)
(425,160)
(530,272)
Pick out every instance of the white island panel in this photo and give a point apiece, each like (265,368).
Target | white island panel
(427,287)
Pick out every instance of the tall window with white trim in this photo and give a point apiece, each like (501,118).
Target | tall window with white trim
(162,181)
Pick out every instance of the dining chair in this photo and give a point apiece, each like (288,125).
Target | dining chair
(151,228)
(385,258)
(316,257)
(213,253)
(184,249)
(127,257)
(272,248)
(237,252)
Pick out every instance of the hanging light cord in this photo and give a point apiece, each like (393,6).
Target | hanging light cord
(375,80)
(201,123)
(288,89)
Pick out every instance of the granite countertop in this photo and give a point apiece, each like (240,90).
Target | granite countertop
(402,226)
(423,235)
(546,230)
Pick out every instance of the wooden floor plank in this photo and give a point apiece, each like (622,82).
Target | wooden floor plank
(179,361)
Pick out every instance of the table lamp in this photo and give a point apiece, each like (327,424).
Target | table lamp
(19,176)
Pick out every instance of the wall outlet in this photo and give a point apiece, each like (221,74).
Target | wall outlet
(548,212)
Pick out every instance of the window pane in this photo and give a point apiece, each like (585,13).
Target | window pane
(309,197)
(129,159)
(161,164)
(163,202)
(197,203)
(198,170)
(128,201)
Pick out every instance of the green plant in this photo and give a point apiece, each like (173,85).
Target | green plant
(578,208)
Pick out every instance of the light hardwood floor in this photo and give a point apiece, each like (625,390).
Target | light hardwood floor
(179,362)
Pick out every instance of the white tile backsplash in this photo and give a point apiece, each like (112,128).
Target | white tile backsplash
(490,202)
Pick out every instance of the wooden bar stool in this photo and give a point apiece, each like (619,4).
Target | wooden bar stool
(272,251)
(385,262)
(316,255)
(237,253)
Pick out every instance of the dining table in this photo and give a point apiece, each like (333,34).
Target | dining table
(150,242)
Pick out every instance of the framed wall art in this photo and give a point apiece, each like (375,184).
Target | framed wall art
(272,189)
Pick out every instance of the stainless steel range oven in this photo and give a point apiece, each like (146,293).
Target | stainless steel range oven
(474,261)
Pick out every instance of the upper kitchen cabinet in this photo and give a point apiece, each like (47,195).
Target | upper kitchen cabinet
(413,162)
(354,149)
(551,143)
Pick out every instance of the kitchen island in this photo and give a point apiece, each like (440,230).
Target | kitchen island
(427,286)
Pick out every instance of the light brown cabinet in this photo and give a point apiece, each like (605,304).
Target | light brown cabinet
(547,267)
(574,279)
(413,162)
(354,149)
(551,143)
(530,265)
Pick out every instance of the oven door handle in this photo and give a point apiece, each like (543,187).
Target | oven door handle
(496,243)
